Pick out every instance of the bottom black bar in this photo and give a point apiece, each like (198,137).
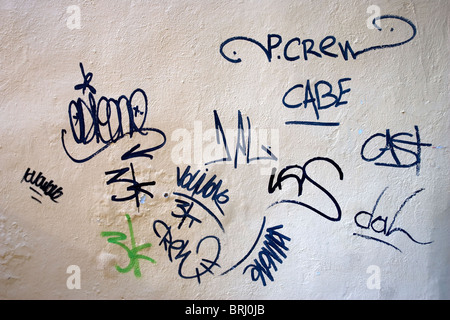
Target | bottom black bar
(212,309)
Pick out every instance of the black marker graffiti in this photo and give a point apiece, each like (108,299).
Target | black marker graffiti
(306,48)
(177,250)
(210,189)
(243,143)
(289,173)
(372,223)
(274,247)
(392,143)
(107,120)
(134,186)
(250,251)
(41,186)
(104,121)
(196,188)
(316,99)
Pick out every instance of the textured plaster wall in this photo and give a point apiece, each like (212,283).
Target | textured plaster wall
(397,108)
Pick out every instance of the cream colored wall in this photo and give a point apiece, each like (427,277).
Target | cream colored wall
(171,50)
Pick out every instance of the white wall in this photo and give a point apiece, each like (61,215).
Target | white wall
(179,55)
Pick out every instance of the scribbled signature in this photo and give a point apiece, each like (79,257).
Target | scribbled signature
(177,249)
(270,254)
(373,224)
(289,172)
(305,48)
(243,143)
(393,144)
(107,120)
(40,186)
